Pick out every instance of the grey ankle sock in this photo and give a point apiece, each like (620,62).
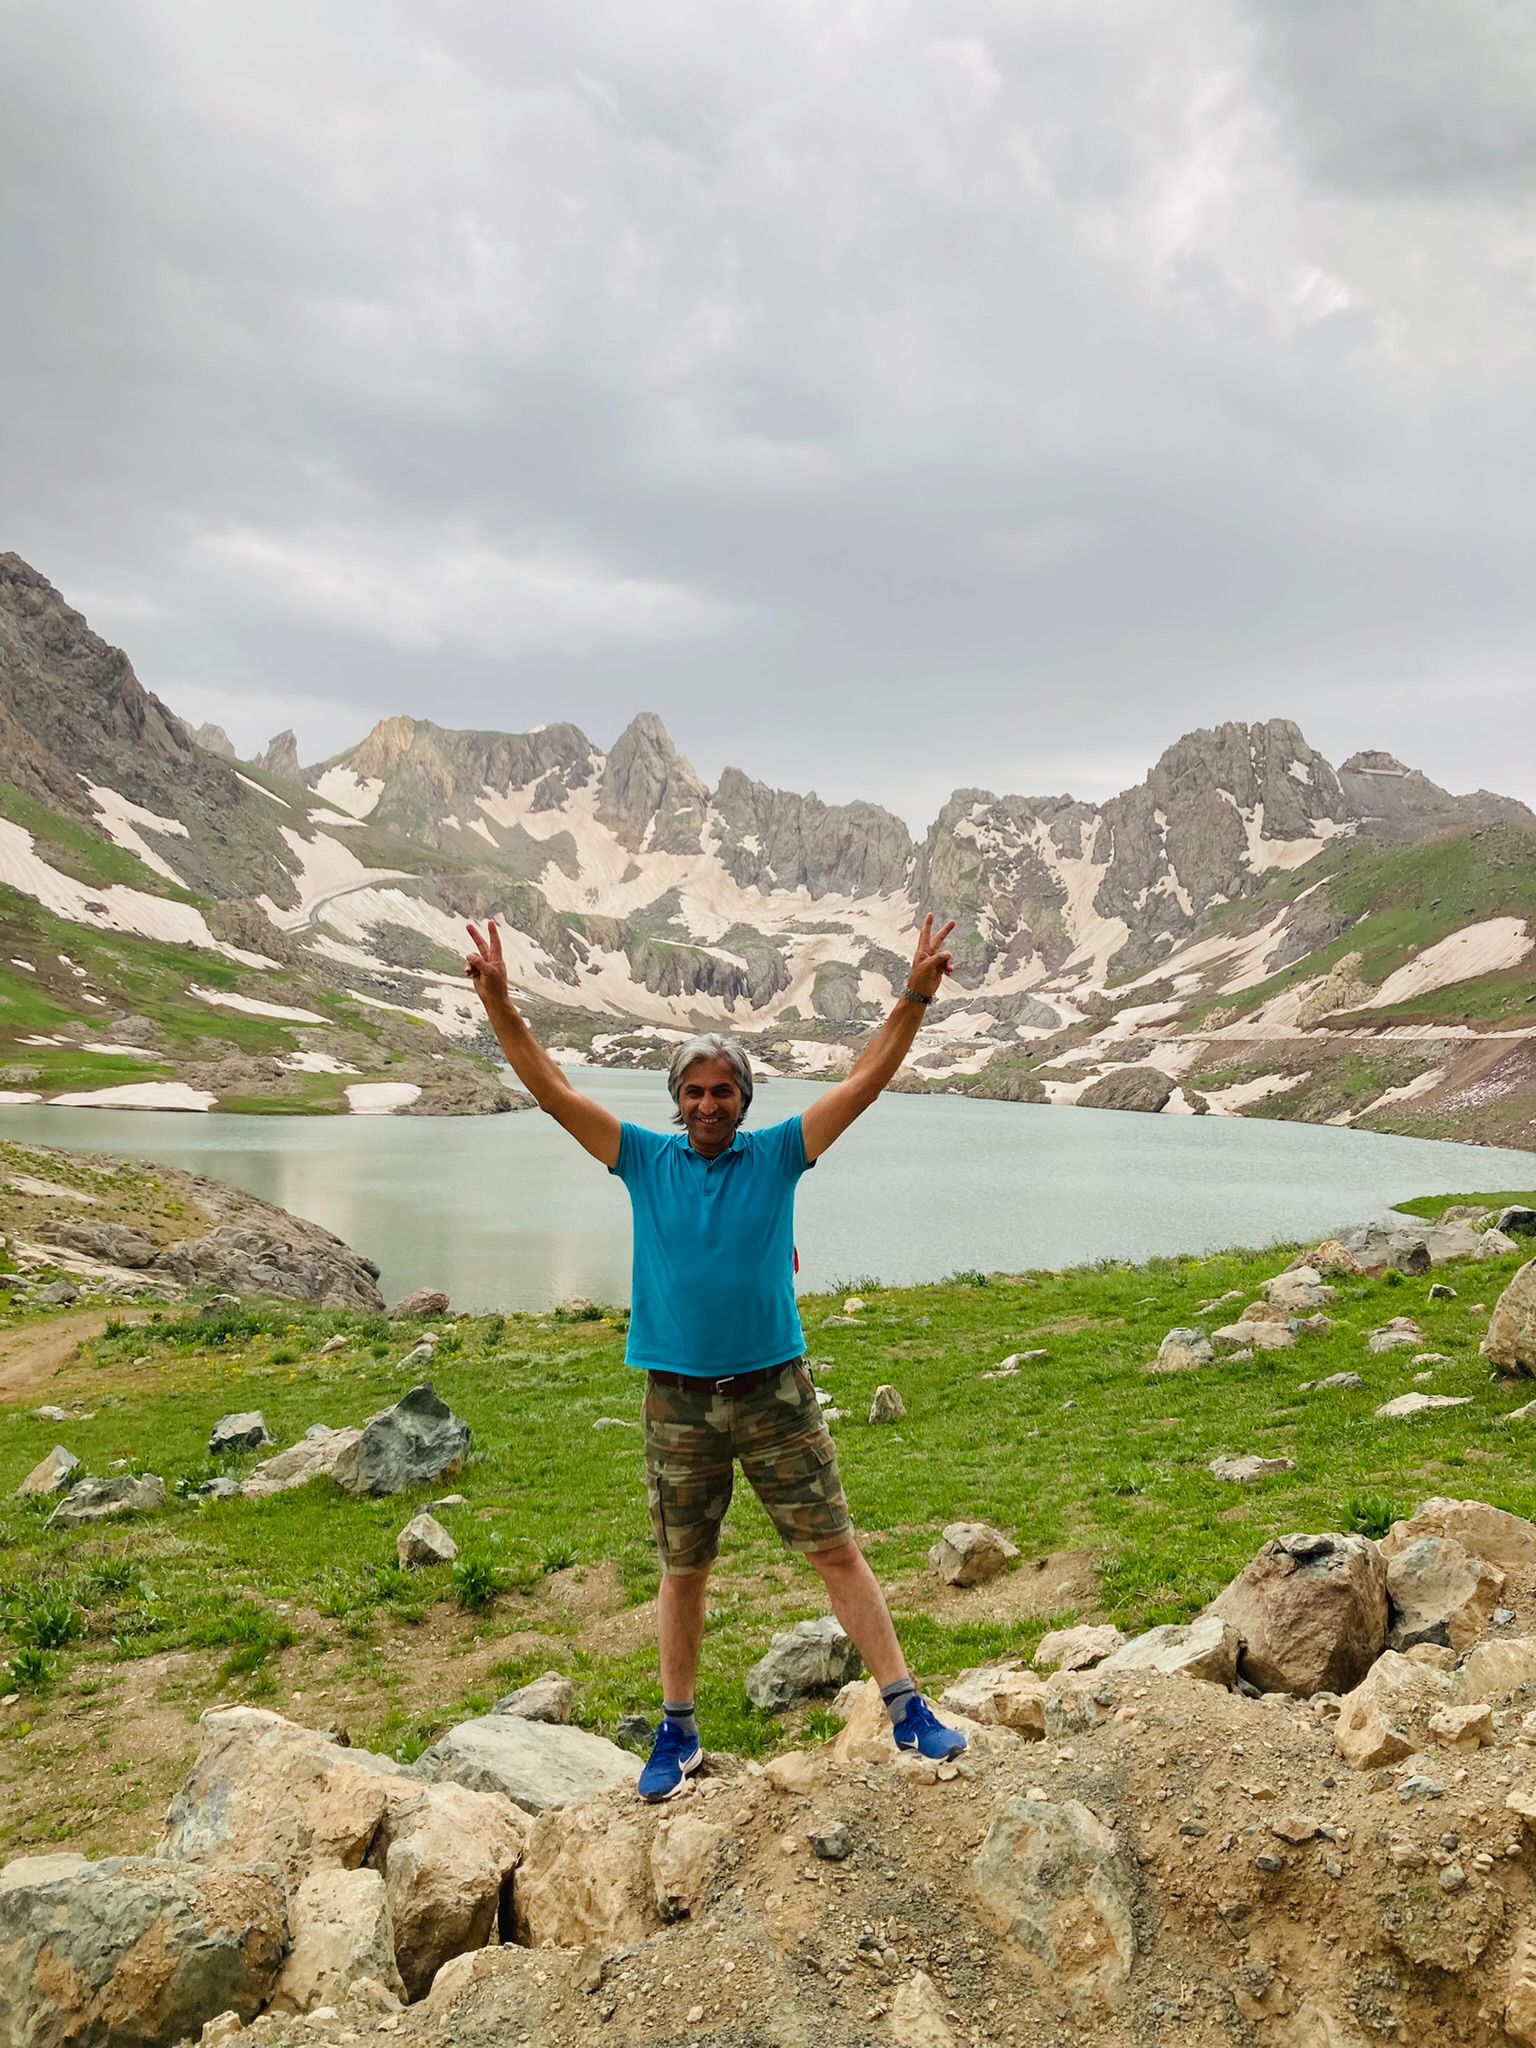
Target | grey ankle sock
(896,1695)
(681,1713)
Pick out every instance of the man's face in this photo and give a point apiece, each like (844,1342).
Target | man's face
(711,1105)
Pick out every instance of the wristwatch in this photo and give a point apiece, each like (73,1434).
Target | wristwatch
(912,996)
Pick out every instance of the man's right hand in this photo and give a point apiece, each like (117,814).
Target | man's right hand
(486,968)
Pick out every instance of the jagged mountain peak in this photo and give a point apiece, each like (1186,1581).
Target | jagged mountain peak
(649,795)
(281,756)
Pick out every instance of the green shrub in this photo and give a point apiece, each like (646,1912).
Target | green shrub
(31,1670)
(45,1620)
(476,1582)
(1370,1514)
(558,1557)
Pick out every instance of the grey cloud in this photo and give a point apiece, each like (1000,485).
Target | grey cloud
(893,399)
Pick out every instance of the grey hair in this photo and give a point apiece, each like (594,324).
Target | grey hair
(709,1045)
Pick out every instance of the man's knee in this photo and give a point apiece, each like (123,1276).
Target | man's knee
(838,1558)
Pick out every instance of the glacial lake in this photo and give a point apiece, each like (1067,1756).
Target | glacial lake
(507,1212)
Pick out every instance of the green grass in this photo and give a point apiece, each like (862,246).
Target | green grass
(77,851)
(1397,900)
(1431,1207)
(258,1591)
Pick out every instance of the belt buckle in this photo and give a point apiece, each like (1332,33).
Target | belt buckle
(722,1386)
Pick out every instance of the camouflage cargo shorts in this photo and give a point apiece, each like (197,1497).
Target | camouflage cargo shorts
(693,1438)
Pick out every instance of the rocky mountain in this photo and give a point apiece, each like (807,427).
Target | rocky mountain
(639,901)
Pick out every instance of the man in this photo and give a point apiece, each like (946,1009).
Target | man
(714,1325)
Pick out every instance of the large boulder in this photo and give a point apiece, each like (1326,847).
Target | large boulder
(339,1926)
(1518,1220)
(1254,1336)
(99,1500)
(51,1474)
(1374,1248)
(1502,1539)
(1205,1648)
(1310,1611)
(1440,1593)
(1132,1087)
(1386,1716)
(447,1855)
(422,1301)
(603,1874)
(263,1789)
(292,1261)
(549,1697)
(968,1553)
(416,1443)
(1054,1881)
(314,1456)
(114,1244)
(130,1952)
(538,1765)
(1510,1339)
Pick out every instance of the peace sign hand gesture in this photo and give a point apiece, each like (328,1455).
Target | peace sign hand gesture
(486,968)
(930,963)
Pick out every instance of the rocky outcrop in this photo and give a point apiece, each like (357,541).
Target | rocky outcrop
(648,794)
(297,1262)
(280,757)
(773,839)
(101,1500)
(537,1765)
(1136,1088)
(340,1934)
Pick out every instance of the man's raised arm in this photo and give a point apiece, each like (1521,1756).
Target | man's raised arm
(831,1114)
(592,1126)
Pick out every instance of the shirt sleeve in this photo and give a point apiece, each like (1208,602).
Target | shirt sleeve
(785,1145)
(638,1150)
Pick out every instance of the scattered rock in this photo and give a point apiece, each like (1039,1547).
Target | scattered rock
(1404,1406)
(811,1659)
(999,1697)
(221,1487)
(1516,1221)
(1078,1649)
(1254,1336)
(58,1293)
(1053,1879)
(1520,1990)
(1510,1340)
(1497,1244)
(1298,1291)
(1380,1721)
(831,1845)
(917,2015)
(96,1500)
(1249,1469)
(423,1301)
(1205,1648)
(1468,1728)
(1310,1611)
(969,1553)
(1440,1292)
(340,1929)
(1374,1248)
(332,1345)
(548,1698)
(1343,1382)
(51,1474)
(424,1541)
(132,1950)
(536,1764)
(417,1442)
(1440,1594)
(245,1431)
(1401,1334)
(314,1456)
(52,1414)
(1183,1350)
(887,1406)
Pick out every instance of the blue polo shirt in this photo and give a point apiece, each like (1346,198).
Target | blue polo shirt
(713,1287)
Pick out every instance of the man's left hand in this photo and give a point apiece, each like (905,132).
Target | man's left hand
(930,963)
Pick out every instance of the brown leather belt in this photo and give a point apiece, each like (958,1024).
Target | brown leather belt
(731,1385)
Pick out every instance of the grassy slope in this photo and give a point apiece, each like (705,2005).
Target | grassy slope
(1433,1206)
(1083,1450)
(1400,899)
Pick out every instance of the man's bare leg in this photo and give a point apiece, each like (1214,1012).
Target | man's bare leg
(680,1625)
(859,1605)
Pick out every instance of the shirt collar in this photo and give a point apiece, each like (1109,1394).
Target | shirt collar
(738,1144)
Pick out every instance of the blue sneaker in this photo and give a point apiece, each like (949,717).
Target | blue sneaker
(921,1731)
(673,1760)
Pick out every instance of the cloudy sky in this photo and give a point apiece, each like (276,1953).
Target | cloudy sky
(894,396)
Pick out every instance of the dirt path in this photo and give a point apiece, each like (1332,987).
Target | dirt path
(29,1358)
